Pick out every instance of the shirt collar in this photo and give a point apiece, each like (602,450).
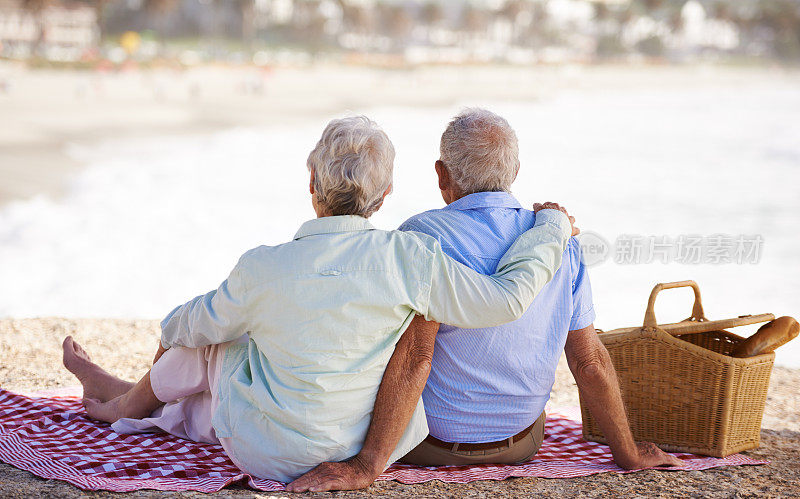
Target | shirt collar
(484,200)
(333,225)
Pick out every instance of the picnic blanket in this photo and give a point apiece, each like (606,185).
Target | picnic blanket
(52,437)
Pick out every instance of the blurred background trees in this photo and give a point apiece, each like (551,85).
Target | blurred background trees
(484,30)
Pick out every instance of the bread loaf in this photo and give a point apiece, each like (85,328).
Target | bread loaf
(768,337)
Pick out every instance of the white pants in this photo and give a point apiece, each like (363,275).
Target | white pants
(186,379)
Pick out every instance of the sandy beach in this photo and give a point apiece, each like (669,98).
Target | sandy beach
(30,359)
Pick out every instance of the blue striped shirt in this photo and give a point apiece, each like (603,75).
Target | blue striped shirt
(488,384)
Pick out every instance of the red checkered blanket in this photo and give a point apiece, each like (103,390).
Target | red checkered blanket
(53,438)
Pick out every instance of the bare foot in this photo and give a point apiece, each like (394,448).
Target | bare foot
(124,406)
(103,411)
(97,383)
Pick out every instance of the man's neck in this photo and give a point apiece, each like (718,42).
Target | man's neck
(450,196)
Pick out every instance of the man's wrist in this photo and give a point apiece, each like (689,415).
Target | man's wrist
(371,462)
(625,453)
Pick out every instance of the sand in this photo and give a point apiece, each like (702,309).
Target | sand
(30,358)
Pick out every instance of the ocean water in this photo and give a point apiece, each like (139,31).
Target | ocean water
(150,223)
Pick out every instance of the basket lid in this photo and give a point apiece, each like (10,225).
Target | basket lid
(691,326)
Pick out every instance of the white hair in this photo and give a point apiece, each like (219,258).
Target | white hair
(480,151)
(352,165)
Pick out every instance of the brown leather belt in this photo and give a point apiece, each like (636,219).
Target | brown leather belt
(483,446)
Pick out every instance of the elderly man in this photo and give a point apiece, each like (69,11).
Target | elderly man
(281,364)
(488,387)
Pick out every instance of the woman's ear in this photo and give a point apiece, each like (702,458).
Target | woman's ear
(383,198)
(311,183)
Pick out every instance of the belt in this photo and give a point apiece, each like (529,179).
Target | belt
(452,446)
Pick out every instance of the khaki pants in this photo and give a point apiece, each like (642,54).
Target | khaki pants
(427,454)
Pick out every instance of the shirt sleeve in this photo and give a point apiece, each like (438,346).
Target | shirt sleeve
(464,298)
(582,307)
(215,317)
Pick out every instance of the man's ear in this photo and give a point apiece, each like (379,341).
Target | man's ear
(444,175)
(311,183)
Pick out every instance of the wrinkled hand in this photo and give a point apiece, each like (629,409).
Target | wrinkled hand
(159,353)
(352,474)
(555,206)
(647,455)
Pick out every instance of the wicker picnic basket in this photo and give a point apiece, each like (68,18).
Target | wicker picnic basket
(681,388)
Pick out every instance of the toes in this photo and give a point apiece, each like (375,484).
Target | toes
(94,408)
(79,351)
(90,404)
(68,353)
(72,348)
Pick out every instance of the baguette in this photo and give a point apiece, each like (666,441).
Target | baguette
(770,336)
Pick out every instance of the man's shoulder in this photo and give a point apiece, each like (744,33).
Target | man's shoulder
(573,251)
(426,221)
(441,223)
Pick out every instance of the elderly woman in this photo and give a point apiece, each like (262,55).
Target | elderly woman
(281,364)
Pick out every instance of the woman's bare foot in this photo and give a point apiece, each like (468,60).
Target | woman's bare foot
(97,383)
(103,411)
(136,404)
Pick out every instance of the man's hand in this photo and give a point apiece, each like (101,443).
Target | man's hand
(647,456)
(555,206)
(352,474)
(597,382)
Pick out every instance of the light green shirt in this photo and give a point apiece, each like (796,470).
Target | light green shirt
(323,314)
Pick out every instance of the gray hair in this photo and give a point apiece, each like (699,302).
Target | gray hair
(480,151)
(352,164)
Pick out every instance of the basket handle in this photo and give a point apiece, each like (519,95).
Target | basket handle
(697,310)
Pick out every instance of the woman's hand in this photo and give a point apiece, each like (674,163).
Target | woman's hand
(352,474)
(555,206)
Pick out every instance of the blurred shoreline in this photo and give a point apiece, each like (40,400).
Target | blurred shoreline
(54,112)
